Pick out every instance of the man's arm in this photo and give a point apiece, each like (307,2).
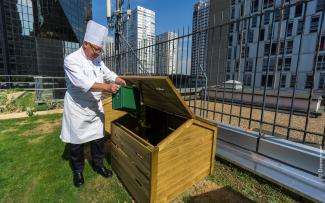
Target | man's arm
(104,87)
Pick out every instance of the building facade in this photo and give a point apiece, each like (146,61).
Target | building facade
(139,33)
(200,38)
(36,35)
(166,53)
(277,49)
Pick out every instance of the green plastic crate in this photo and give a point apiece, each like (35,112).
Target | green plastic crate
(127,98)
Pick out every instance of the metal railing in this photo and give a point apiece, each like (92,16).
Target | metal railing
(52,88)
(253,86)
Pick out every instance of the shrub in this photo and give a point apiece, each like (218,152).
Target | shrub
(30,111)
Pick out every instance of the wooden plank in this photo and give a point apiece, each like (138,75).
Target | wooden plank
(138,154)
(176,190)
(169,139)
(166,164)
(135,137)
(136,183)
(185,167)
(186,149)
(154,172)
(213,154)
(189,135)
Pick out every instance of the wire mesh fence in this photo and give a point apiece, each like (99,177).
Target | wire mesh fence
(261,67)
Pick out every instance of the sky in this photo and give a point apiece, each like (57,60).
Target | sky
(171,15)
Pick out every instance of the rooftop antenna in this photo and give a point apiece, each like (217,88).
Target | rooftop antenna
(116,20)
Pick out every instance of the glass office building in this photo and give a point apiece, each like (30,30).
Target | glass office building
(36,35)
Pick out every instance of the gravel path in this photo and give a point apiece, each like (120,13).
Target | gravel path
(315,125)
(24,114)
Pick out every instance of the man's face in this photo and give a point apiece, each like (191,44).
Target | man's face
(92,51)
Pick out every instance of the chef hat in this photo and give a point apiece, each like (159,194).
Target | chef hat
(96,34)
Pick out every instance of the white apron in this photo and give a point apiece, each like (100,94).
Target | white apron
(83,114)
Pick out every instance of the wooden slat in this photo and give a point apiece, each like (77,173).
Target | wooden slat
(173,192)
(184,167)
(140,155)
(186,149)
(154,172)
(189,135)
(203,123)
(136,183)
(169,139)
(169,164)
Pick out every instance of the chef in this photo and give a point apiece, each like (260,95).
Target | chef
(83,116)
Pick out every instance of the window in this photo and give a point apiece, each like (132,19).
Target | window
(254,21)
(298,11)
(287,64)
(271,64)
(309,81)
(293,81)
(254,5)
(245,52)
(242,10)
(248,66)
(280,63)
(269,33)
(231,27)
(286,13)
(289,47)
(289,31)
(267,17)
(283,81)
(281,47)
(273,49)
(321,84)
(266,49)
(228,66)
(268,82)
(229,53)
(244,37)
(250,36)
(247,80)
(320,5)
(321,62)
(314,24)
(261,37)
(322,44)
(230,40)
(300,27)
(268,3)
(233,2)
(244,24)
(232,12)
(277,14)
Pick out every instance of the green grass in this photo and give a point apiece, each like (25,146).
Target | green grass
(250,185)
(34,168)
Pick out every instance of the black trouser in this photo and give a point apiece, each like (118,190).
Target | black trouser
(77,154)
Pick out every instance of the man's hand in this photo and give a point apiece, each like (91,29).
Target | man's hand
(120,81)
(113,88)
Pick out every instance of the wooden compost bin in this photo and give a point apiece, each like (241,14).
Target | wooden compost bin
(163,149)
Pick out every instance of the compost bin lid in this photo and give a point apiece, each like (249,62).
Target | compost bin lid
(159,93)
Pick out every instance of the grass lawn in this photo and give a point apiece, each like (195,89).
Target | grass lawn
(34,168)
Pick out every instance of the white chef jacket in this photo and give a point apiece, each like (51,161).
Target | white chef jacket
(83,114)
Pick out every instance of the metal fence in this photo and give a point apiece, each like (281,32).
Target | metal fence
(44,87)
(262,70)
